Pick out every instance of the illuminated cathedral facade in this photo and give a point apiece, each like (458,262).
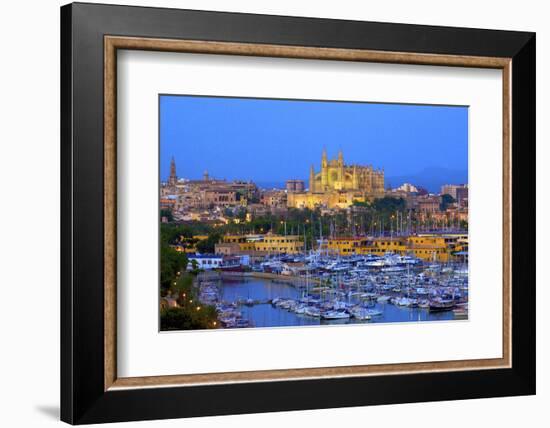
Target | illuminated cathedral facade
(337,185)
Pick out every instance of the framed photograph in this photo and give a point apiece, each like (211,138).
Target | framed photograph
(266,213)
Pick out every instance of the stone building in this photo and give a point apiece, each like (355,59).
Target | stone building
(337,185)
(206,192)
(295,186)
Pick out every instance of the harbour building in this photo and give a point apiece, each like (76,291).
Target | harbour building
(429,247)
(260,245)
(289,244)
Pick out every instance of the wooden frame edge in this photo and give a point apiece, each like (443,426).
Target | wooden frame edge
(300,374)
(112,43)
(301,52)
(109,197)
(507,213)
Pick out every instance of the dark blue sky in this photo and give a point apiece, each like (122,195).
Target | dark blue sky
(274,140)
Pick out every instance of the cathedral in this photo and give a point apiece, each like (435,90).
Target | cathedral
(337,185)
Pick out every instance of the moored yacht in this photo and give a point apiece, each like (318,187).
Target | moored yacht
(334,315)
(361,314)
(312,311)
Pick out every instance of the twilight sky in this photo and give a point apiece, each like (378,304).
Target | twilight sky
(274,140)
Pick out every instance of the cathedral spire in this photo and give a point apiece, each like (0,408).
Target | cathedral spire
(340,166)
(311,180)
(324,170)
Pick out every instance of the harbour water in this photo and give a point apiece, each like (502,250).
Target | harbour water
(268,315)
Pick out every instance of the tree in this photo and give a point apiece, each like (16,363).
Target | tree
(389,205)
(167,214)
(208,245)
(357,203)
(241,213)
(446,200)
(171,262)
(188,318)
(183,283)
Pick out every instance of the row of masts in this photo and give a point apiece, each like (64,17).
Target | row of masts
(401,224)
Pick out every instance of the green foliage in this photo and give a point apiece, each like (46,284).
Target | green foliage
(190,313)
(176,319)
(195,266)
(188,318)
(446,200)
(171,262)
(241,214)
(183,283)
(207,246)
(167,214)
(387,205)
(173,233)
(254,199)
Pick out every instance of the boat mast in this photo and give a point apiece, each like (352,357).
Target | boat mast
(320,234)
(305,241)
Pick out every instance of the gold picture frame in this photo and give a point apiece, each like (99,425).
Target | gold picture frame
(114,43)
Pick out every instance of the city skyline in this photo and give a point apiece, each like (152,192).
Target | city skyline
(255,139)
(310,226)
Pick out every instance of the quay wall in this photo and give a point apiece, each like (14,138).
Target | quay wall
(295,280)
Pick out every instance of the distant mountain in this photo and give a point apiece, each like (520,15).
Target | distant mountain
(430,178)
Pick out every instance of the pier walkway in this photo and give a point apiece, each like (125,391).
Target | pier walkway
(297,281)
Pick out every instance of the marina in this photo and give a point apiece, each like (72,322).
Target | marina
(313,290)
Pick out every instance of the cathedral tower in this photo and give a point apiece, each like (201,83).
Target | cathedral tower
(355,178)
(324,170)
(340,166)
(311,180)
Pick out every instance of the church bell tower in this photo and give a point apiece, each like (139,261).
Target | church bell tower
(173,179)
